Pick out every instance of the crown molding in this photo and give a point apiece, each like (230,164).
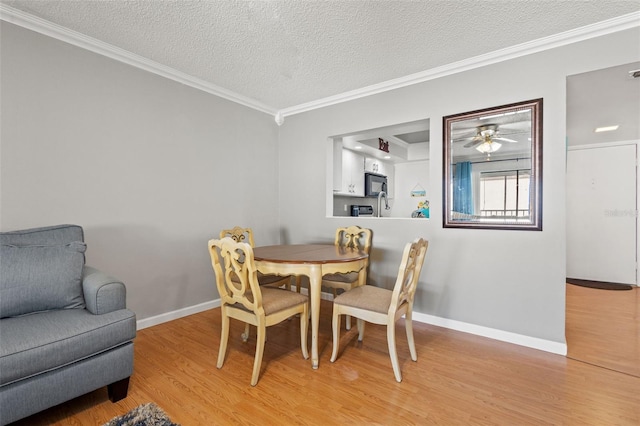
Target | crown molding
(34,23)
(50,29)
(598,29)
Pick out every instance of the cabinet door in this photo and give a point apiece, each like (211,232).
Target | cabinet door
(352,173)
(347,158)
(383,168)
(338,184)
(373,165)
(357,175)
(370,165)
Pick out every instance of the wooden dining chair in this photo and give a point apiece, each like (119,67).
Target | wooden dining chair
(354,237)
(384,307)
(245,235)
(242,298)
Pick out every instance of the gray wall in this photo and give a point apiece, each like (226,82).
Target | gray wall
(151,169)
(506,280)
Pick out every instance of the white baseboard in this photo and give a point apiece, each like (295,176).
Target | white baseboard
(492,333)
(478,330)
(170,316)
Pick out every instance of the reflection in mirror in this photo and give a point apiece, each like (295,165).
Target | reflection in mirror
(493,168)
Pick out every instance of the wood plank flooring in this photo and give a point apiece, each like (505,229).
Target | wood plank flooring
(603,327)
(459,379)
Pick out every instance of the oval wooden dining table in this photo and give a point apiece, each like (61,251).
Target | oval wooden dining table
(313,261)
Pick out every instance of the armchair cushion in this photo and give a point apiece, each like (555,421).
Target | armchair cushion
(33,344)
(49,235)
(40,277)
(102,293)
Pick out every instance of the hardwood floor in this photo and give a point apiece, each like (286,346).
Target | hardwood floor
(603,327)
(459,379)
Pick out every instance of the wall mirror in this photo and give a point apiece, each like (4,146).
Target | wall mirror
(493,168)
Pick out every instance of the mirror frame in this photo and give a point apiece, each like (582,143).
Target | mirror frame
(535,183)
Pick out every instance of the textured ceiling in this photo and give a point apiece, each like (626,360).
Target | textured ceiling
(288,53)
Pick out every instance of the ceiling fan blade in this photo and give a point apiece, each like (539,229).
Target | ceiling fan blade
(464,133)
(474,142)
(505,140)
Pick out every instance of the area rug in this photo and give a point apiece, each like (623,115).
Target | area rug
(144,415)
(599,284)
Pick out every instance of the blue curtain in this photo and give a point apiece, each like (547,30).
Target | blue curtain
(462,195)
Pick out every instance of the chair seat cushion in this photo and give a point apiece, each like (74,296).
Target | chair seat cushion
(277,299)
(366,297)
(40,342)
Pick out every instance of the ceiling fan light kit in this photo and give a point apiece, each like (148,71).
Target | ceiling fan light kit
(488,146)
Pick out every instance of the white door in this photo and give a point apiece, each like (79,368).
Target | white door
(601,214)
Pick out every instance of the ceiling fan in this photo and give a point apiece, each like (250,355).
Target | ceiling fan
(486,137)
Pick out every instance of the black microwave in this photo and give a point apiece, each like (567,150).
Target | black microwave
(374,184)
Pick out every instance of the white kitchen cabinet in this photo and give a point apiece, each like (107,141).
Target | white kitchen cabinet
(337,166)
(352,178)
(373,165)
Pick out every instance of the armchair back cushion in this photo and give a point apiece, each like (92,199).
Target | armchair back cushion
(41,270)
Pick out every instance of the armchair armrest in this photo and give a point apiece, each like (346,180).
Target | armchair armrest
(102,293)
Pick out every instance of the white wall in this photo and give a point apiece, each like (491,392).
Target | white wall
(415,174)
(150,168)
(511,281)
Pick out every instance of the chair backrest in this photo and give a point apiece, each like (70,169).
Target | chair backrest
(355,237)
(236,273)
(239,235)
(408,274)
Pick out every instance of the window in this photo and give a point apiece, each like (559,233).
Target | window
(505,194)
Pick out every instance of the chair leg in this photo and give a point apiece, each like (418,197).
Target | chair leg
(245,335)
(304,329)
(288,284)
(259,352)
(393,354)
(336,332)
(348,317)
(409,328)
(360,323)
(224,338)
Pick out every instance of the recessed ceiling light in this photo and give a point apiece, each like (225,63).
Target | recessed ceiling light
(606,128)
(387,157)
(358,147)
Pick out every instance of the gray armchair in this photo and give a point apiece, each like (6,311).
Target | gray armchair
(64,327)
